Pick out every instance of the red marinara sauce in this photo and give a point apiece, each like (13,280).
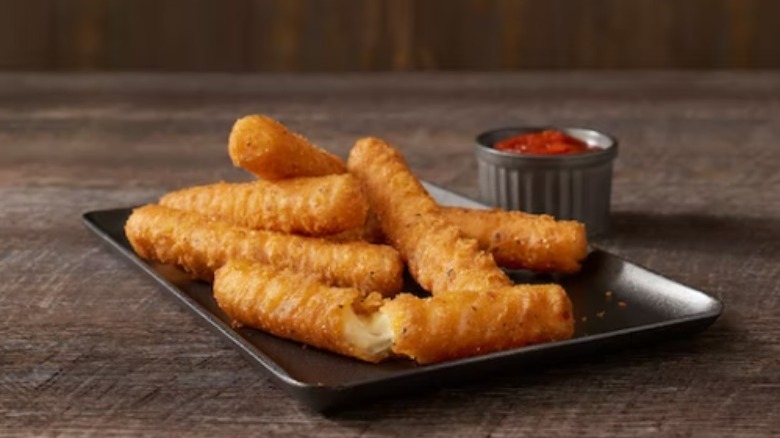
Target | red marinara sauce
(544,143)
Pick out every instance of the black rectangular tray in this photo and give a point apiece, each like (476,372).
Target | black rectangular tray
(615,303)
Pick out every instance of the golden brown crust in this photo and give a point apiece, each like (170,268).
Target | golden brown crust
(516,240)
(370,231)
(469,323)
(524,241)
(308,206)
(289,305)
(200,246)
(439,258)
(269,150)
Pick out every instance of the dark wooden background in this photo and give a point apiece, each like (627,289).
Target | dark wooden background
(89,346)
(368,35)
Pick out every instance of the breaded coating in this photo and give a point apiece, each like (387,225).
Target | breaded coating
(439,258)
(309,206)
(294,306)
(516,240)
(269,150)
(370,231)
(524,241)
(468,323)
(200,246)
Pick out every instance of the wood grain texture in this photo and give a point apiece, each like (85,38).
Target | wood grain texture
(379,35)
(89,345)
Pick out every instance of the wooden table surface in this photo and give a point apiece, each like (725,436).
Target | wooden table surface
(90,345)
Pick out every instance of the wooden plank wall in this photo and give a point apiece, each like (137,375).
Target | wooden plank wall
(371,35)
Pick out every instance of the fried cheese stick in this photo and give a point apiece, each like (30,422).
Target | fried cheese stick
(516,240)
(523,241)
(294,306)
(467,323)
(200,246)
(439,258)
(308,206)
(269,150)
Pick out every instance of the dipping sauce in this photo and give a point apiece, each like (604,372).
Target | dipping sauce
(544,143)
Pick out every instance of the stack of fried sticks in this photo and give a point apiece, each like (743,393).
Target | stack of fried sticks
(314,251)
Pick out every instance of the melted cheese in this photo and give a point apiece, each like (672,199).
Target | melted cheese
(369,333)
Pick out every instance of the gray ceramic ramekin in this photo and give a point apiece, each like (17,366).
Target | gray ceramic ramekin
(565,186)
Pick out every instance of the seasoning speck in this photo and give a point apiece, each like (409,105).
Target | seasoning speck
(601,314)
(622,304)
(608,295)
(584,319)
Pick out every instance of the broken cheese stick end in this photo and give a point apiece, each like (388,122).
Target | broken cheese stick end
(294,306)
(369,333)
(456,325)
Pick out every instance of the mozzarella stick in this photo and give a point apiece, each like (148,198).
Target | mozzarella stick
(294,306)
(308,206)
(516,240)
(467,323)
(269,150)
(523,241)
(439,258)
(200,246)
